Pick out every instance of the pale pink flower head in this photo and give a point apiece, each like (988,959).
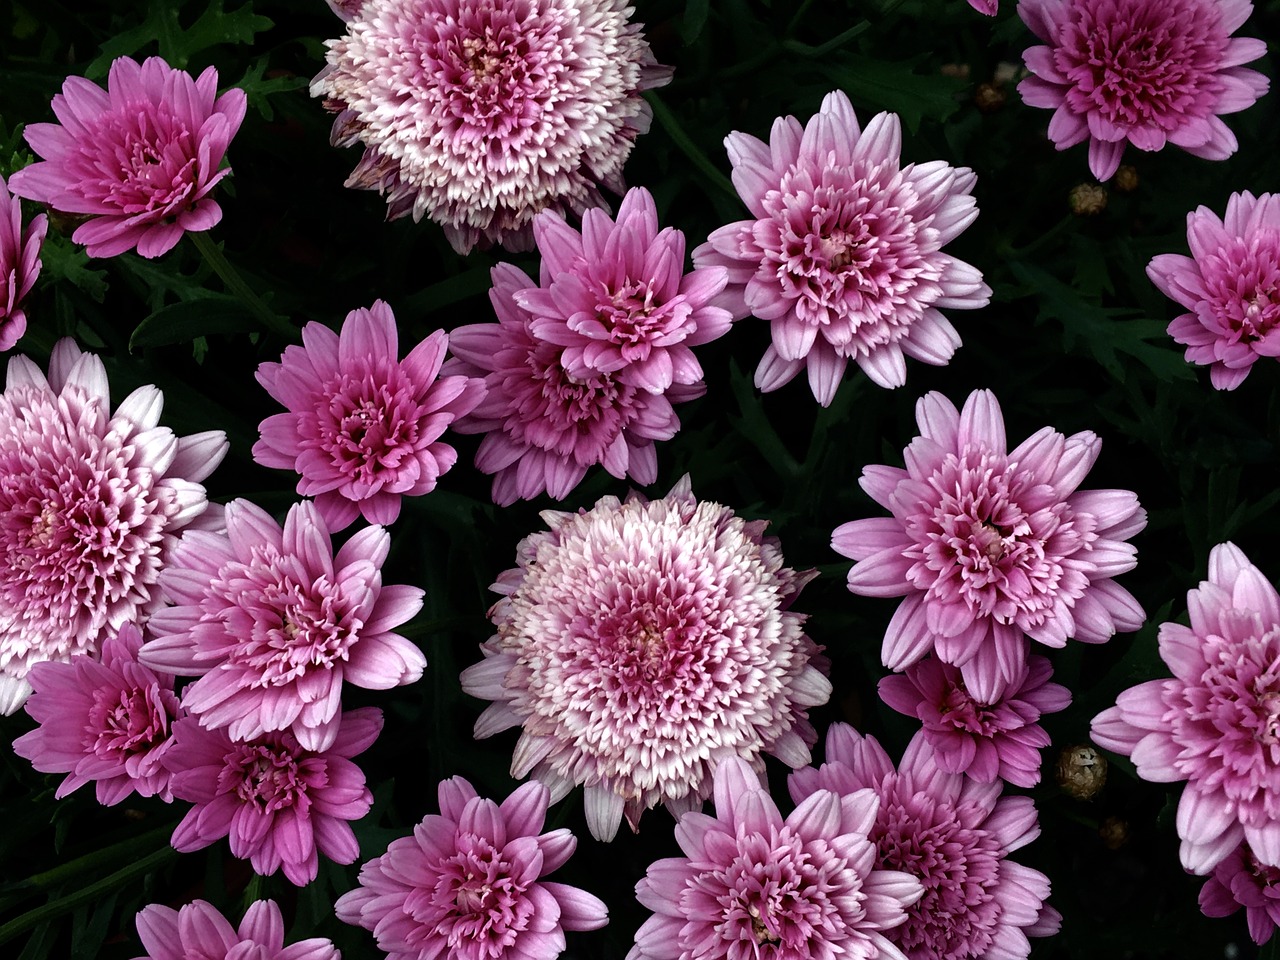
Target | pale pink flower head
(989,546)
(90,502)
(469,883)
(363,427)
(640,643)
(842,253)
(954,835)
(273,623)
(988,741)
(753,885)
(1230,284)
(1145,72)
(617,299)
(280,805)
(1216,722)
(19,265)
(140,159)
(479,113)
(1241,881)
(199,932)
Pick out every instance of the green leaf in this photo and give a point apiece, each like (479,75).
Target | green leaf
(895,86)
(63,260)
(176,44)
(259,90)
(695,18)
(184,321)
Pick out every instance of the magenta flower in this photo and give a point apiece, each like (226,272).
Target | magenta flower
(843,250)
(953,834)
(363,428)
(89,506)
(199,932)
(469,883)
(1216,722)
(1145,72)
(988,545)
(640,643)
(1241,881)
(279,804)
(480,114)
(273,623)
(140,158)
(988,741)
(810,887)
(988,7)
(19,265)
(1230,284)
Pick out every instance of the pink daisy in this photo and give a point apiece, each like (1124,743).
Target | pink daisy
(1241,881)
(19,265)
(140,158)
(640,643)
(199,932)
(842,253)
(1146,72)
(989,546)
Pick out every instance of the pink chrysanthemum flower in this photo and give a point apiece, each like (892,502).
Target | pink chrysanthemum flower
(19,265)
(199,932)
(953,834)
(469,883)
(106,721)
(1241,881)
(140,158)
(988,741)
(90,501)
(280,805)
(273,623)
(843,250)
(544,427)
(640,643)
(1145,72)
(988,544)
(1230,284)
(363,428)
(988,7)
(480,114)
(753,885)
(1216,722)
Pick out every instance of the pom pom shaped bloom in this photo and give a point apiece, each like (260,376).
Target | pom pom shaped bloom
(843,250)
(640,643)
(1145,72)
(363,428)
(953,834)
(140,158)
(479,113)
(273,623)
(1216,723)
(90,501)
(1230,284)
(107,721)
(1241,881)
(19,264)
(752,884)
(469,883)
(988,544)
(199,932)
(987,741)
(280,805)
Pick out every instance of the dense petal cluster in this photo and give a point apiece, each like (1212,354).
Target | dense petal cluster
(90,501)
(480,113)
(842,253)
(990,545)
(640,643)
(140,158)
(19,265)
(469,883)
(199,932)
(1145,72)
(1241,881)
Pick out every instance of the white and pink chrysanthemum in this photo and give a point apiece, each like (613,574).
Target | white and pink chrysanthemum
(1145,72)
(753,885)
(363,427)
(1241,881)
(954,835)
(640,643)
(279,805)
(469,884)
(90,501)
(480,114)
(843,250)
(140,158)
(19,265)
(989,545)
(198,930)
(1230,284)
(1216,722)
(274,623)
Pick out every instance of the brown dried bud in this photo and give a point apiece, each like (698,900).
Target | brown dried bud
(1088,199)
(1081,771)
(989,97)
(958,70)
(1126,180)
(1114,832)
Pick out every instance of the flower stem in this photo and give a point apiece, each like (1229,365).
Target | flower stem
(220,265)
(43,881)
(690,149)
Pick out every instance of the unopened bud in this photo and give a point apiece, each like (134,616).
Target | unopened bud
(1088,199)
(1081,771)
(1126,180)
(1114,832)
(989,97)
